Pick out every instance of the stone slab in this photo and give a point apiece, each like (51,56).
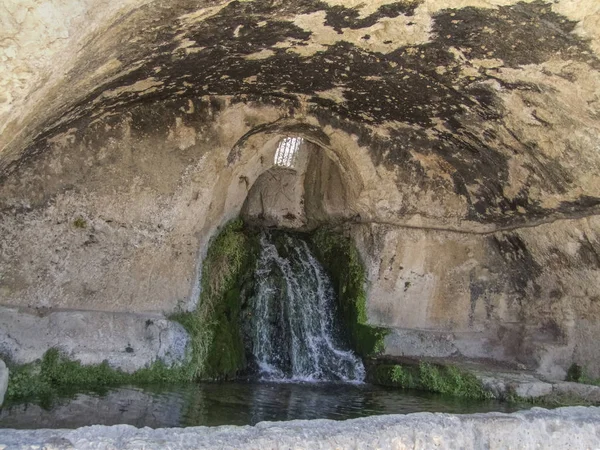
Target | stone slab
(127,341)
(3,380)
(584,392)
(572,428)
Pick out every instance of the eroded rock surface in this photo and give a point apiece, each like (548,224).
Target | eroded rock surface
(127,341)
(3,380)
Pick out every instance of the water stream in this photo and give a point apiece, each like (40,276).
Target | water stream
(294,331)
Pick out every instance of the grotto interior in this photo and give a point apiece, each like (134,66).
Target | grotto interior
(445,153)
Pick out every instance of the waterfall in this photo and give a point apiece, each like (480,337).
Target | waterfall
(294,331)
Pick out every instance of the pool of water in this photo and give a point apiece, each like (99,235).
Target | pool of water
(234,403)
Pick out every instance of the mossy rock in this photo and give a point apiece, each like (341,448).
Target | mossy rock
(48,377)
(342,261)
(437,378)
(215,327)
(226,356)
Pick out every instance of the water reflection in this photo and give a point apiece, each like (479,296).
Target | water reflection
(212,404)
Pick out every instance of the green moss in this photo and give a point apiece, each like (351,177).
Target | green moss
(579,374)
(214,327)
(227,353)
(80,223)
(46,378)
(26,381)
(406,379)
(341,259)
(441,379)
(217,349)
(553,400)
(575,373)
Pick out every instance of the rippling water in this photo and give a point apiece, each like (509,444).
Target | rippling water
(234,403)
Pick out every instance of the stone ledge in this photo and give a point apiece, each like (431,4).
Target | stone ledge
(573,427)
(3,380)
(529,386)
(128,341)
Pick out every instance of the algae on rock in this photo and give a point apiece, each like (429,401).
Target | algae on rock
(46,378)
(217,349)
(215,326)
(341,259)
(437,378)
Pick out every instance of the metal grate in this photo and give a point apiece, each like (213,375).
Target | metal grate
(285,156)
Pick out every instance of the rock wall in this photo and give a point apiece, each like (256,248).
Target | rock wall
(276,199)
(127,341)
(575,428)
(457,141)
(78,238)
(527,296)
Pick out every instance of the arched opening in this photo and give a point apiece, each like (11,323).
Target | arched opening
(303,189)
(290,313)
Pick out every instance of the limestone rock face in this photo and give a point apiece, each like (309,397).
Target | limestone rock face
(457,143)
(526,296)
(126,341)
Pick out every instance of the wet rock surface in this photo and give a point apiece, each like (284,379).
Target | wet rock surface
(3,380)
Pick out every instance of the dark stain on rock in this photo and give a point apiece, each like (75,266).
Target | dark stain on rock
(585,202)
(476,291)
(524,33)
(339,17)
(402,86)
(408,90)
(522,269)
(552,331)
(589,253)
(556,294)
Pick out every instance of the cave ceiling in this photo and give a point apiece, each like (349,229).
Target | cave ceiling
(503,96)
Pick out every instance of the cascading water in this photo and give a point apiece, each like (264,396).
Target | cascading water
(293,322)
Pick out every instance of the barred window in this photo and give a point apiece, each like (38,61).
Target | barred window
(286,153)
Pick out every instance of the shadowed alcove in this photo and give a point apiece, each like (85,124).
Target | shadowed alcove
(302,192)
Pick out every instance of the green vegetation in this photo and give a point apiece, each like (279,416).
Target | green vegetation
(80,223)
(436,378)
(339,256)
(575,373)
(45,378)
(214,327)
(450,380)
(217,349)
(578,374)
(552,400)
